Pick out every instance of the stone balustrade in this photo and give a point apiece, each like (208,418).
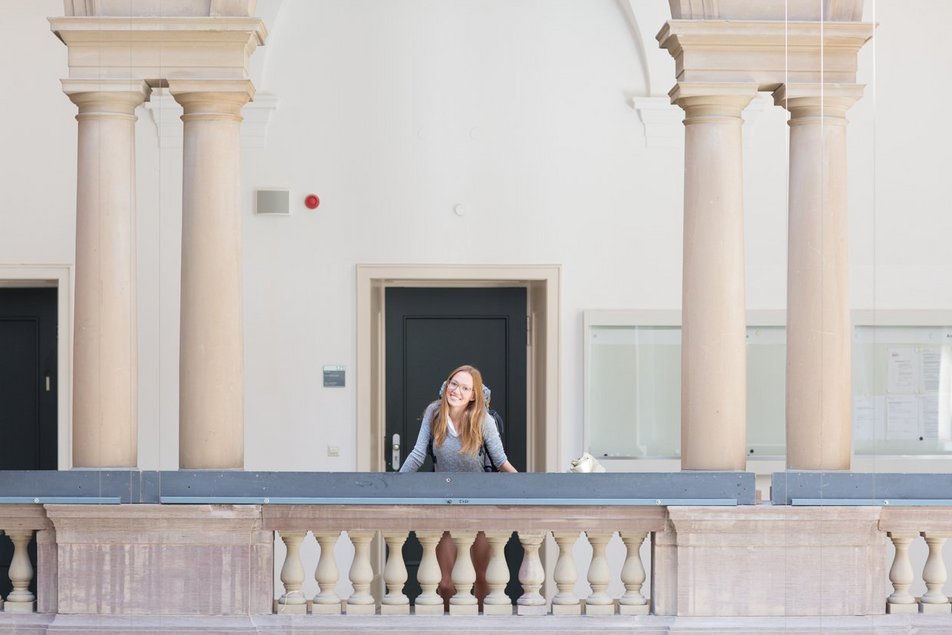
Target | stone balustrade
(115,547)
(904,526)
(391,524)
(19,524)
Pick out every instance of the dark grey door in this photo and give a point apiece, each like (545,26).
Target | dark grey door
(28,383)
(431,331)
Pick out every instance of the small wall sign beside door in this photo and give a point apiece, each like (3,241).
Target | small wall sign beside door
(334,376)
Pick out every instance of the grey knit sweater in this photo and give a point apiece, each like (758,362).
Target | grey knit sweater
(448,456)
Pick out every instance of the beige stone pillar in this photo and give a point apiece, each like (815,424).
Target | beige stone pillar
(713,331)
(818,400)
(104,355)
(211,374)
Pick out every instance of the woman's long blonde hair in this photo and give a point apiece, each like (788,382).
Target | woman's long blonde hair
(470,429)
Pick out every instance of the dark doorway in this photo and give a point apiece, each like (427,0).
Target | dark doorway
(28,384)
(430,331)
(28,379)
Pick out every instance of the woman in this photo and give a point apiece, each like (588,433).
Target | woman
(460,430)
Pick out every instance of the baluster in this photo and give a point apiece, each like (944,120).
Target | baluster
(326,602)
(395,602)
(565,601)
(633,575)
(292,575)
(901,576)
(463,601)
(429,601)
(20,599)
(361,602)
(531,575)
(934,575)
(599,575)
(497,575)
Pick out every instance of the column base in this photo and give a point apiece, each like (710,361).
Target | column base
(290,609)
(530,609)
(898,609)
(19,607)
(567,609)
(497,609)
(325,609)
(360,609)
(935,609)
(464,609)
(395,609)
(598,609)
(633,609)
(428,609)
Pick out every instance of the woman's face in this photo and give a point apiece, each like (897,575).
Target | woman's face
(459,391)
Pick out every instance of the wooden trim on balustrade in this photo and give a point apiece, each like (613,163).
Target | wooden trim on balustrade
(462,517)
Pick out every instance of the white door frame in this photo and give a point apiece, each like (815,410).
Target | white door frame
(542,282)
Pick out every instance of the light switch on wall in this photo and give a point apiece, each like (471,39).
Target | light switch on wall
(333,450)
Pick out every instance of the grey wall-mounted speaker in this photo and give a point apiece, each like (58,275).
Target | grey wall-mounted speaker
(273,202)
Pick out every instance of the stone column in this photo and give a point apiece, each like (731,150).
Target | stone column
(104,356)
(713,331)
(211,372)
(818,401)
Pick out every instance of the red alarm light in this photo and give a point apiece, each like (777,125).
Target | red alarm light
(312,201)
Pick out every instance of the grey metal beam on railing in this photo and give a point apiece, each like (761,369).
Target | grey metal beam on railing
(860,488)
(133,486)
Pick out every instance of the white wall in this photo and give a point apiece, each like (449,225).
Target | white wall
(38,138)
(395,111)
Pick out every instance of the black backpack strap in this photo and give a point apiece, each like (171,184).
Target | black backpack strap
(492,464)
(497,419)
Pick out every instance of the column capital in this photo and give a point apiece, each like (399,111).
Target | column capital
(108,96)
(703,101)
(729,95)
(738,90)
(212,97)
(816,99)
(228,89)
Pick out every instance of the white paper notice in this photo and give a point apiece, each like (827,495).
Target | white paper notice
(901,420)
(930,363)
(929,416)
(864,418)
(901,374)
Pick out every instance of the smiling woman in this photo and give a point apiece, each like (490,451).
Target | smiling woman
(460,428)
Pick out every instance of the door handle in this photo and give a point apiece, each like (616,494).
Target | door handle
(395,452)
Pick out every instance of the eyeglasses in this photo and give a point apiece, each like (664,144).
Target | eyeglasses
(455,385)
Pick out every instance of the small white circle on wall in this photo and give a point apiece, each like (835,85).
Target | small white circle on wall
(460,210)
